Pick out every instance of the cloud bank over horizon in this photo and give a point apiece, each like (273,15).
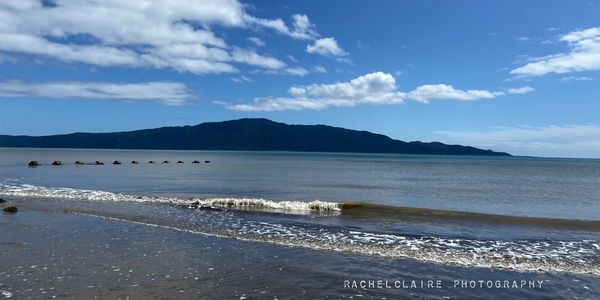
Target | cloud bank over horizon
(575,140)
(376,88)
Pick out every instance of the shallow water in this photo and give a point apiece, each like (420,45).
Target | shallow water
(516,217)
(75,257)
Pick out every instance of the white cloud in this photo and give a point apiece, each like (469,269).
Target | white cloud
(428,92)
(252,58)
(163,92)
(161,34)
(584,55)
(97,55)
(297,71)
(371,89)
(521,90)
(568,140)
(302,27)
(576,78)
(292,58)
(242,79)
(361,45)
(374,88)
(326,46)
(257,41)
(319,69)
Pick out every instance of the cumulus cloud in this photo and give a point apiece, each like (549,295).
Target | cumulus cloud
(303,28)
(428,92)
(326,46)
(376,88)
(168,93)
(584,55)
(156,34)
(575,140)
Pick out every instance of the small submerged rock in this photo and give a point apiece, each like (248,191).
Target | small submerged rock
(166,162)
(98,163)
(206,161)
(179,162)
(151,162)
(57,163)
(116,162)
(33,163)
(134,162)
(2,200)
(78,162)
(11,209)
(196,162)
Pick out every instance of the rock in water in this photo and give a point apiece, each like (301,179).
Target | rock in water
(196,162)
(116,162)
(33,163)
(2,200)
(134,162)
(99,162)
(78,162)
(11,209)
(179,162)
(166,162)
(57,163)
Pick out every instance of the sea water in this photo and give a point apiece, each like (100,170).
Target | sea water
(518,215)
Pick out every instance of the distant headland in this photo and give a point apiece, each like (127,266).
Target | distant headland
(245,134)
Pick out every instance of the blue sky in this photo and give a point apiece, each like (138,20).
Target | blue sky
(516,76)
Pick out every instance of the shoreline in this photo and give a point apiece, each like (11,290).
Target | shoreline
(73,256)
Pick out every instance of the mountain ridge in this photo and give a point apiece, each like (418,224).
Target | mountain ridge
(256,134)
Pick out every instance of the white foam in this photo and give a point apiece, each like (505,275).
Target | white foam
(26,190)
(270,204)
(5,294)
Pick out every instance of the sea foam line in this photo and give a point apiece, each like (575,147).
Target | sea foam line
(453,257)
(27,190)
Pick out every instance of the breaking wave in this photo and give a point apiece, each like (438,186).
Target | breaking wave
(371,210)
(26,190)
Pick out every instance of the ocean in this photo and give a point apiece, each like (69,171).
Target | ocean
(350,218)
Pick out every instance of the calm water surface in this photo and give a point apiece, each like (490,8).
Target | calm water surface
(327,209)
(559,188)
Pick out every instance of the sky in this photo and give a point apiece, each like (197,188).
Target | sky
(515,76)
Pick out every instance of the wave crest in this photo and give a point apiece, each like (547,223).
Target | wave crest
(26,190)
